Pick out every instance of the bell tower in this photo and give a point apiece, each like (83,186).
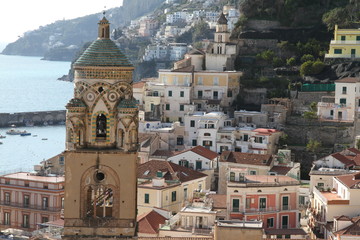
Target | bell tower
(101,144)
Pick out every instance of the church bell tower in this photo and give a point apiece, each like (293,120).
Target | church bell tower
(101,145)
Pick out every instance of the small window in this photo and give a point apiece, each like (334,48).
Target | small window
(252,172)
(200,94)
(194,142)
(181,107)
(229,94)
(343,38)
(200,81)
(170,93)
(343,90)
(61,160)
(207,134)
(236,205)
(357,38)
(232,176)
(337,51)
(182,94)
(192,123)
(216,81)
(167,106)
(270,222)
(146,198)
(342,100)
(173,196)
(180,141)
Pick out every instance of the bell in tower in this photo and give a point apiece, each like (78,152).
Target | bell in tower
(101,144)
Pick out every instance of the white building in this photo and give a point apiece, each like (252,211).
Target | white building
(202,128)
(345,104)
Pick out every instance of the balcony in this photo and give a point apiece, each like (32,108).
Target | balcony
(29,206)
(250,211)
(340,42)
(333,105)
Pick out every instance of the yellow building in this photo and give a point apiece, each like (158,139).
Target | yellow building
(166,185)
(346,44)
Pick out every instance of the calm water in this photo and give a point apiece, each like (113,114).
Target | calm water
(29,84)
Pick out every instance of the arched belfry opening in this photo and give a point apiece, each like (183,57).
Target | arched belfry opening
(101,126)
(99,202)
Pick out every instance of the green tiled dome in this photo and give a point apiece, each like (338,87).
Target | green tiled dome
(76,102)
(128,103)
(103,52)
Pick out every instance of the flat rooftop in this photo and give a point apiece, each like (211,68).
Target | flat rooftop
(32,177)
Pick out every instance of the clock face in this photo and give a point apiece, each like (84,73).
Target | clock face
(112,96)
(90,96)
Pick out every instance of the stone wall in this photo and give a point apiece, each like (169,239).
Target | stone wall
(302,100)
(36,118)
(261,25)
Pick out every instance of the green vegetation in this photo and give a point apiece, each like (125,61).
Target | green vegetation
(312,114)
(313,146)
(311,67)
(198,32)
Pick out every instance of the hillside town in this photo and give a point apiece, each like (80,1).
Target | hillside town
(177,157)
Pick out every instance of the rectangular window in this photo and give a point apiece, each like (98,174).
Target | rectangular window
(207,143)
(175,80)
(167,106)
(337,51)
(170,93)
(229,94)
(262,203)
(232,176)
(182,94)
(61,160)
(180,141)
(180,119)
(7,198)
(342,100)
(248,203)
(200,81)
(258,139)
(252,172)
(44,219)
(236,205)
(45,202)
(26,221)
(200,94)
(194,142)
(285,203)
(270,222)
(331,112)
(192,123)
(6,218)
(343,38)
(199,106)
(173,196)
(343,90)
(357,38)
(284,222)
(215,94)
(181,107)
(246,137)
(26,200)
(185,194)
(147,198)
(216,81)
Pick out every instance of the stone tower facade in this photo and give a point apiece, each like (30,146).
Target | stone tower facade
(101,145)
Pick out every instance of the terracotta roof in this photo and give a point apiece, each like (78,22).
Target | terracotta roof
(202,151)
(163,153)
(348,80)
(246,158)
(149,222)
(354,150)
(344,159)
(219,200)
(350,180)
(295,231)
(171,171)
(353,229)
(265,131)
(138,84)
(281,170)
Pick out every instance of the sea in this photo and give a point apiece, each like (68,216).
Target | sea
(30,84)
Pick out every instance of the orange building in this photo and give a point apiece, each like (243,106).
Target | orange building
(28,199)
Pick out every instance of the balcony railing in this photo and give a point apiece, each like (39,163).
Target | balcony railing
(29,206)
(262,210)
(344,42)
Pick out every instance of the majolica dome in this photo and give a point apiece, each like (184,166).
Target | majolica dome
(76,102)
(103,52)
(128,103)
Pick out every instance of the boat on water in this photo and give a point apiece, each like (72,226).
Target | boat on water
(1,143)
(2,136)
(44,139)
(25,133)
(13,132)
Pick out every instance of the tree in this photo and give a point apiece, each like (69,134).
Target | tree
(307,57)
(306,68)
(291,61)
(335,16)
(313,146)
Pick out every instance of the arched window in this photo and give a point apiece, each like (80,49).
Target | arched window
(101,126)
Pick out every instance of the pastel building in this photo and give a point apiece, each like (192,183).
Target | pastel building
(273,199)
(28,200)
(345,45)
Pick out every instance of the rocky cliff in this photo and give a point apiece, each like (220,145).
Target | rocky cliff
(61,39)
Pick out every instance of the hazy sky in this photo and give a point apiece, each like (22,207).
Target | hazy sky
(19,16)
